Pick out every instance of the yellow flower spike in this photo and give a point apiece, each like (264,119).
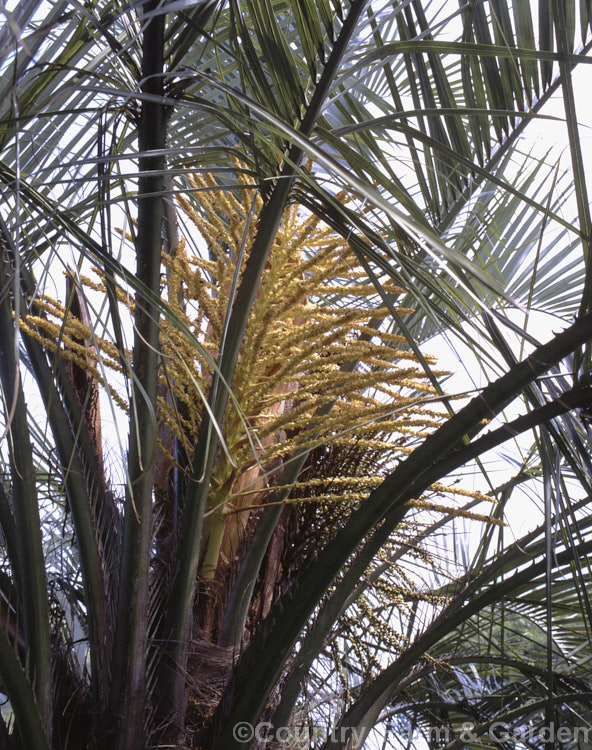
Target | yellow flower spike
(50,343)
(454,512)
(465,493)
(120,293)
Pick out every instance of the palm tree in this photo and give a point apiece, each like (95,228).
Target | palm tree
(263,209)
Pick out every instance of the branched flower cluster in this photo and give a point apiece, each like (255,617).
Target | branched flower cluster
(318,364)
